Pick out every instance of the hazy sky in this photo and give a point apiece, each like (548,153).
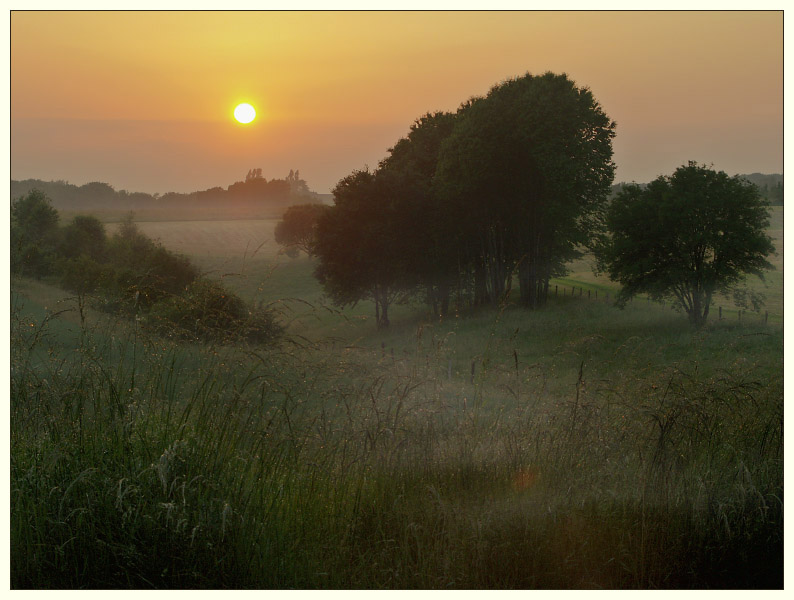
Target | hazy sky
(144,100)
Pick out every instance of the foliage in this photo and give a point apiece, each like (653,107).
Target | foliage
(84,275)
(34,235)
(207,311)
(528,169)
(686,237)
(427,227)
(85,235)
(515,181)
(146,272)
(297,227)
(358,246)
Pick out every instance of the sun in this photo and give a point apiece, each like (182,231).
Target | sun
(244,113)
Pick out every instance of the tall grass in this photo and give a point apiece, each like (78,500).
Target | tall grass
(584,452)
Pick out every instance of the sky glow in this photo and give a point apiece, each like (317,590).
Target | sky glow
(141,100)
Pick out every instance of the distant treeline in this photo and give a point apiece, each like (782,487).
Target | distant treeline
(254,197)
(770,186)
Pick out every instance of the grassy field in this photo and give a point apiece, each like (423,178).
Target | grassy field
(245,255)
(580,446)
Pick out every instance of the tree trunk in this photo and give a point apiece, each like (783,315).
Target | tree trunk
(384,313)
(444,293)
(525,282)
(480,286)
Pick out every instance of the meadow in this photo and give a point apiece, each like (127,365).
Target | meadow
(578,446)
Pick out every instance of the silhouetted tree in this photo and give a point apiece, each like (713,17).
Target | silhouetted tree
(427,228)
(530,166)
(357,246)
(686,237)
(298,226)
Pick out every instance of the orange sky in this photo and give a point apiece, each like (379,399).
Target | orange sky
(144,100)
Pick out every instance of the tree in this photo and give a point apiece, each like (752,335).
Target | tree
(530,167)
(34,234)
(358,247)
(297,227)
(427,228)
(686,237)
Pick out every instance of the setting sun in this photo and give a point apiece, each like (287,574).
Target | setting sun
(244,113)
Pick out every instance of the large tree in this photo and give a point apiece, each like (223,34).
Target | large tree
(358,245)
(530,167)
(686,237)
(426,227)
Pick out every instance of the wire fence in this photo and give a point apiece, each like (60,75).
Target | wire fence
(740,314)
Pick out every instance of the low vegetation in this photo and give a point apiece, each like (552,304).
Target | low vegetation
(576,447)
(130,274)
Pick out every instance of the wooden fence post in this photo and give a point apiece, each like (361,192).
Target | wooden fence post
(555,290)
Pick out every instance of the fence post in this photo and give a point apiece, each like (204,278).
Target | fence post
(588,294)
(555,290)
(580,291)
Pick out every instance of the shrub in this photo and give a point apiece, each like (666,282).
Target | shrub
(207,311)
(34,235)
(84,235)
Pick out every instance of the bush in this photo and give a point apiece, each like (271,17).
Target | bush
(84,235)
(34,235)
(207,311)
(145,271)
(84,275)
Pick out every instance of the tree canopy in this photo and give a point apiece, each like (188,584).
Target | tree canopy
(359,247)
(296,229)
(686,237)
(516,180)
(530,166)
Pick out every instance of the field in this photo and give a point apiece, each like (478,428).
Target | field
(578,446)
(245,255)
